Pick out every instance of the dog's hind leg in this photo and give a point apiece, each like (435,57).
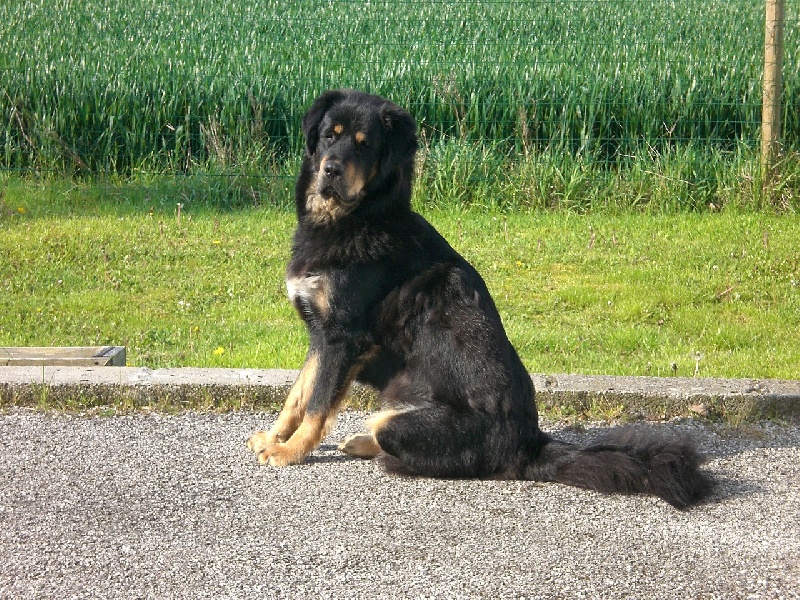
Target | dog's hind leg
(364,445)
(360,445)
(439,441)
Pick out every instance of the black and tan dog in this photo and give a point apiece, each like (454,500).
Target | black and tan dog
(388,302)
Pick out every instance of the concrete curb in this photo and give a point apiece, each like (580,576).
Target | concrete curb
(627,398)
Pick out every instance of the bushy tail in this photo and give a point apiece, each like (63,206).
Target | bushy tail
(628,460)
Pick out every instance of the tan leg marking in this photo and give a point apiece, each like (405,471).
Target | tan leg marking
(307,437)
(364,445)
(281,451)
(304,439)
(379,420)
(360,445)
(294,409)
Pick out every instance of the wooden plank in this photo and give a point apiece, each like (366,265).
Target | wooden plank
(78,356)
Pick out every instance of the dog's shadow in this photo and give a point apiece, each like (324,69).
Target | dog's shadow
(724,487)
(330,454)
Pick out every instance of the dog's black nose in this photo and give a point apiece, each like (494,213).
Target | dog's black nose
(333,169)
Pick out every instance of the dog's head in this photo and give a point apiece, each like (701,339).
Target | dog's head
(354,143)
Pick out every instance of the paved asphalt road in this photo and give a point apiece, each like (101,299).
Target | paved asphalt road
(175,507)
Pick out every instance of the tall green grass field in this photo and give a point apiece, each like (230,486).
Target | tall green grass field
(582,100)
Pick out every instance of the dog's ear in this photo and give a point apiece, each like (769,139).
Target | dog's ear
(401,137)
(314,116)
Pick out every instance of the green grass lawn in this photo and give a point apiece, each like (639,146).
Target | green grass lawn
(712,293)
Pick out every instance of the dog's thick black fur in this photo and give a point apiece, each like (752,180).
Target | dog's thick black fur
(388,302)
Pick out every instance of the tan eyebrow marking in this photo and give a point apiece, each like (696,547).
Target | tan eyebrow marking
(338,129)
(361,137)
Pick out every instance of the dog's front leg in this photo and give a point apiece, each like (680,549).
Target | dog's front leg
(329,381)
(294,408)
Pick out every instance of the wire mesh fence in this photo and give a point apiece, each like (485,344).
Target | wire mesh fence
(219,86)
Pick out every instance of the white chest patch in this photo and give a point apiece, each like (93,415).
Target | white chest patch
(309,288)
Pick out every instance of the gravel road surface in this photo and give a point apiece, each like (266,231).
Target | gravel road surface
(153,506)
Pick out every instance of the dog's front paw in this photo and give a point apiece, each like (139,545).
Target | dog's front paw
(279,455)
(261,440)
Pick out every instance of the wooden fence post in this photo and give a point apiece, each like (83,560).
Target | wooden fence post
(773,84)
